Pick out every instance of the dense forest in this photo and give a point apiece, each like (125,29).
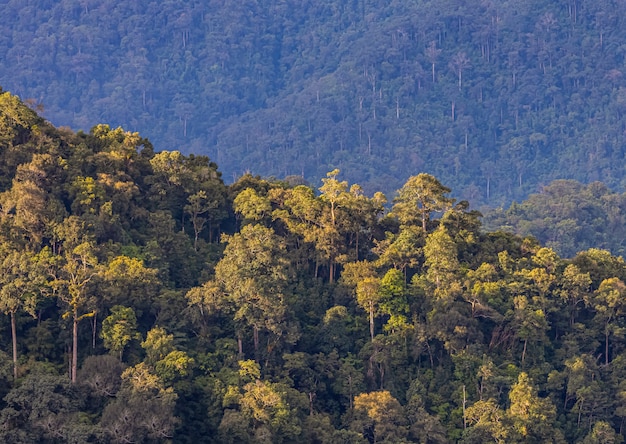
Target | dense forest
(146,301)
(568,217)
(494,98)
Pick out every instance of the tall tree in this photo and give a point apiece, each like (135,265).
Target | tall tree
(77,270)
(442,263)
(334,193)
(418,198)
(362,276)
(532,417)
(575,287)
(32,207)
(23,280)
(486,423)
(610,306)
(189,185)
(253,275)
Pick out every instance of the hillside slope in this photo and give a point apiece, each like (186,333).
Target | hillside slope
(143,301)
(494,99)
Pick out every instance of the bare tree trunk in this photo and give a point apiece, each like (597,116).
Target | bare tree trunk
(14,340)
(311,396)
(464,402)
(580,411)
(372,320)
(430,355)
(350,386)
(94,330)
(74,347)
(255,330)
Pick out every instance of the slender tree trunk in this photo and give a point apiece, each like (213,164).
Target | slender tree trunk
(606,348)
(372,320)
(255,330)
(240,345)
(14,341)
(430,355)
(311,396)
(350,388)
(464,413)
(74,347)
(94,330)
(524,351)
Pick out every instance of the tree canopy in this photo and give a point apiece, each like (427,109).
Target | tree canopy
(494,99)
(143,300)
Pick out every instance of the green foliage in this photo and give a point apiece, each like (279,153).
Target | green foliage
(420,196)
(318,317)
(569,217)
(119,328)
(494,99)
(532,418)
(158,345)
(45,407)
(379,416)
(142,411)
(253,277)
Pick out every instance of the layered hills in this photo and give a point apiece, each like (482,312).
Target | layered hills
(143,300)
(496,99)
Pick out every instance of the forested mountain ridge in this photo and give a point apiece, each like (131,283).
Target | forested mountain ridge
(145,301)
(493,98)
(569,217)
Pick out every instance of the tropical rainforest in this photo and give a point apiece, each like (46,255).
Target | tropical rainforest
(146,301)
(494,98)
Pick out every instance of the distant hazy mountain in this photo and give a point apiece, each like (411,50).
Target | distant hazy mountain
(492,97)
